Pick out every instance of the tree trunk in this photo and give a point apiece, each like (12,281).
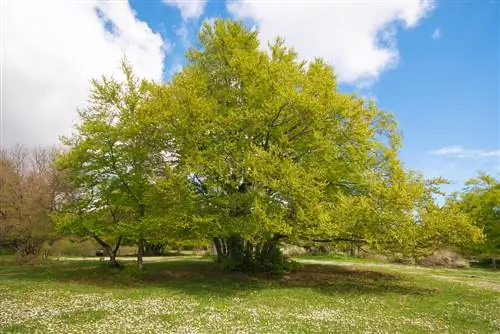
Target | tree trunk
(494,263)
(245,255)
(218,249)
(111,252)
(151,249)
(140,254)
(140,250)
(112,255)
(235,247)
(354,249)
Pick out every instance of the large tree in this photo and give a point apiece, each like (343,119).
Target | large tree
(247,147)
(274,148)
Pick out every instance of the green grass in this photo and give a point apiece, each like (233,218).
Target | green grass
(195,296)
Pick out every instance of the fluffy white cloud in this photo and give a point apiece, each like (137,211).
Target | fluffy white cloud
(190,9)
(436,34)
(357,37)
(462,152)
(51,50)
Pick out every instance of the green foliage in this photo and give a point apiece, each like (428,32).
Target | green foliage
(247,147)
(271,144)
(481,201)
(69,247)
(112,164)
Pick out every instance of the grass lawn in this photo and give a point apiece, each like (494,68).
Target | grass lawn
(194,296)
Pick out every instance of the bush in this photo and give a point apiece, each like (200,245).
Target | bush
(209,255)
(30,259)
(127,251)
(444,259)
(374,256)
(293,250)
(68,247)
(319,250)
(401,259)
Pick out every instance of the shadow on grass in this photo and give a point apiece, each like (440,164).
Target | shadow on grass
(202,277)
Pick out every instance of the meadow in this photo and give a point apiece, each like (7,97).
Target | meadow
(193,295)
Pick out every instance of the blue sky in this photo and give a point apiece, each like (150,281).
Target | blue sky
(434,64)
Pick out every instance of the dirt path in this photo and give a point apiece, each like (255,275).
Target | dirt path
(147,259)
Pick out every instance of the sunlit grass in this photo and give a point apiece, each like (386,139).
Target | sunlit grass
(194,296)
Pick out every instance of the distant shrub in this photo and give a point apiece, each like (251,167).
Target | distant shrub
(293,250)
(444,258)
(68,247)
(30,259)
(209,255)
(200,252)
(401,259)
(319,249)
(127,251)
(374,256)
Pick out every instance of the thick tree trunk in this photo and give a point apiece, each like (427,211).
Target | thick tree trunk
(218,249)
(243,255)
(153,249)
(235,247)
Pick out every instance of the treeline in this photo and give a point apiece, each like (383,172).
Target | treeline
(246,149)
(28,195)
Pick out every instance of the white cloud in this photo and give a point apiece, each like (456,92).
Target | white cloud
(462,152)
(358,37)
(458,170)
(175,68)
(182,33)
(190,9)
(51,49)
(436,34)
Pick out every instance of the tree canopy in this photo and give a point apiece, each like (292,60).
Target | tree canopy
(114,159)
(246,147)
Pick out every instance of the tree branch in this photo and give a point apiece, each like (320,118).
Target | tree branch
(340,239)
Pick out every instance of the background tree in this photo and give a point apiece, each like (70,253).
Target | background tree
(112,161)
(481,201)
(82,214)
(402,216)
(28,193)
